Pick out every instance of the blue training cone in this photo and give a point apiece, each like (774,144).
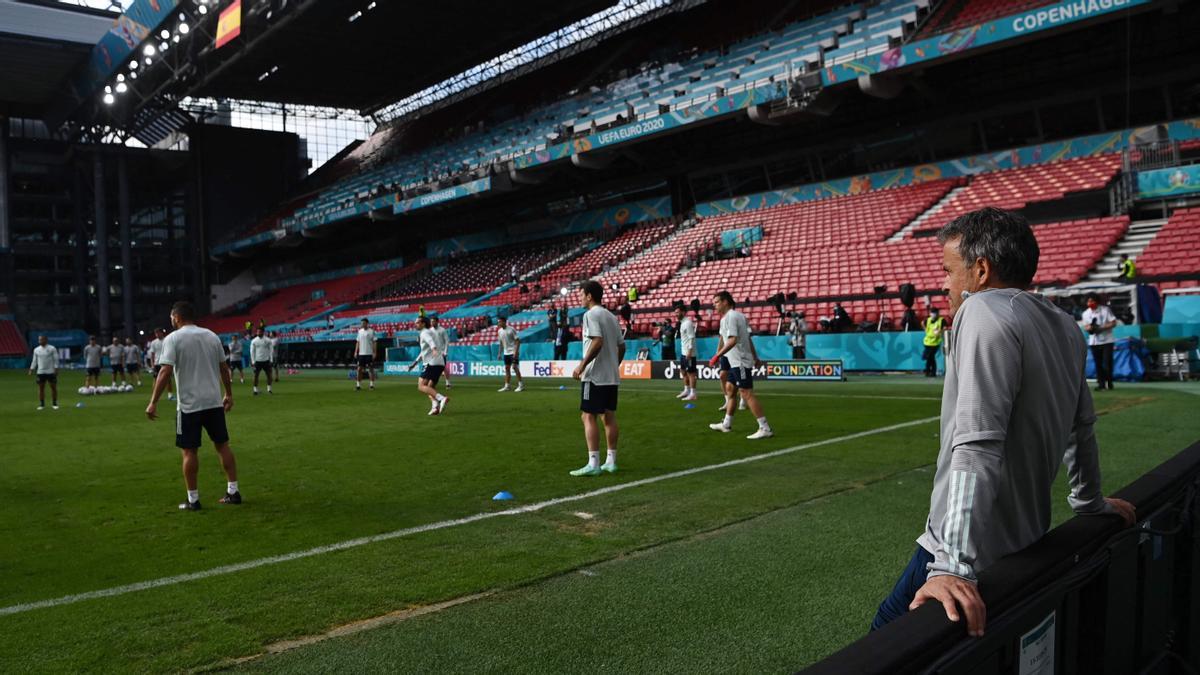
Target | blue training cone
(79,405)
(689,406)
(562,386)
(503,496)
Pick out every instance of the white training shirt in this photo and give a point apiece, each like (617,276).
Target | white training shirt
(366,342)
(687,336)
(431,354)
(260,349)
(133,354)
(91,355)
(734,325)
(155,350)
(196,354)
(274,347)
(116,355)
(235,349)
(605,369)
(508,340)
(45,360)
(1101,315)
(443,337)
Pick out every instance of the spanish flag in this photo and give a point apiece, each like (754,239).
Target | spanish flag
(229,25)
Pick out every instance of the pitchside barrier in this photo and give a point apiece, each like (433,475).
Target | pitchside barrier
(795,370)
(1089,597)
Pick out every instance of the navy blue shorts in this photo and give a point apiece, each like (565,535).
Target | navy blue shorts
(262,366)
(511,359)
(741,377)
(911,580)
(52,378)
(432,373)
(118,369)
(365,360)
(93,372)
(724,364)
(131,368)
(688,364)
(235,364)
(188,426)
(598,399)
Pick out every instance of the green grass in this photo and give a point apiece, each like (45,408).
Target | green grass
(763,566)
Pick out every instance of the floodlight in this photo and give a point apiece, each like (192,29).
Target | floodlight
(108,99)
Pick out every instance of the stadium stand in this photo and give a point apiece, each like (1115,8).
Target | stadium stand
(477,273)
(296,303)
(610,254)
(659,89)
(1015,188)
(11,342)
(1173,251)
(952,15)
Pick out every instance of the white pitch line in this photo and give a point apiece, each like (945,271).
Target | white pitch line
(441,525)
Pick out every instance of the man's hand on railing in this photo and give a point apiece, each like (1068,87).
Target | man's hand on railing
(954,592)
(1124,509)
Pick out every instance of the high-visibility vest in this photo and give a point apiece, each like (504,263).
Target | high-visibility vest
(933,331)
(1128,269)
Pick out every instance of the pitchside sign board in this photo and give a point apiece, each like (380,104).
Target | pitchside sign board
(818,370)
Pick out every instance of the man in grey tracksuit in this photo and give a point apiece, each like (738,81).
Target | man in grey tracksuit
(1015,405)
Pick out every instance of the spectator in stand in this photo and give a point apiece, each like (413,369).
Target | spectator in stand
(626,316)
(842,321)
(796,334)
(329,321)
(1099,321)
(666,336)
(562,336)
(1128,270)
(935,330)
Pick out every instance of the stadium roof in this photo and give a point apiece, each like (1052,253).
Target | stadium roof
(365,54)
(41,43)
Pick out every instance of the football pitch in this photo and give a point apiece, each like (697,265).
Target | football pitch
(369,540)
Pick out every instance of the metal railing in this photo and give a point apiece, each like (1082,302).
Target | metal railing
(1089,597)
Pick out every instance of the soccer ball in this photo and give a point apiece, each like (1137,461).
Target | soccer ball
(83,391)
(127,388)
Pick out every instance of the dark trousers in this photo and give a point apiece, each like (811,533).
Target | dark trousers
(911,580)
(1102,355)
(560,352)
(930,356)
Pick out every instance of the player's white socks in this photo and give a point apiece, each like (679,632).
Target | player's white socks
(193,496)
(256,390)
(728,421)
(441,397)
(612,456)
(232,487)
(269,389)
(762,423)
(593,458)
